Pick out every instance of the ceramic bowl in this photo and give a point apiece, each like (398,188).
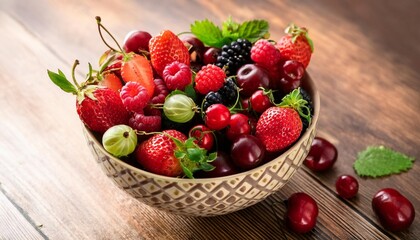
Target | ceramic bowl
(210,196)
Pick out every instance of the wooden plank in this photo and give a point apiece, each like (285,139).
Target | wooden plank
(14,224)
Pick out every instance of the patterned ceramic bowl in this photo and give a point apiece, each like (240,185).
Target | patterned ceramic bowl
(211,196)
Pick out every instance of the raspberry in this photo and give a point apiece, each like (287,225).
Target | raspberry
(160,93)
(177,75)
(234,56)
(209,78)
(134,96)
(141,122)
(265,54)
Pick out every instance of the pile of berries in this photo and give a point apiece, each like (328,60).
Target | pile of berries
(197,105)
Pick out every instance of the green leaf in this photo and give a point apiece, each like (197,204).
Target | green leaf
(61,81)
(378,161)
(230,28)
(207,167)
(179,154)
(187,171)
(253,30)
(195,154)
(212,156)
(190,92)
(208,33)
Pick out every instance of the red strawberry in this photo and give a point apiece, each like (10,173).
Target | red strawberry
(170,153)
(209,78)
(165,49)
(296,45)
(137,69)
(280,126)
(99,108)
(157,154)
(110,80)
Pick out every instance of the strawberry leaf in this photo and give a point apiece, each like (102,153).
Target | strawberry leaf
(208,33)
(195,154)
(253,30)
(187,171)
(379,161)
(207,167)
(61,81)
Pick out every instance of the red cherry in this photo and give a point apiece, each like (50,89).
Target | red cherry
(196,48)
(223,167)
(238,125)
(301,213)
(346,186)
(322,155)
(259,101)
(250,77)
(210,55)
(217,116)
(205,139)
(247,152)
(292,73)
(137,40)
(395,212)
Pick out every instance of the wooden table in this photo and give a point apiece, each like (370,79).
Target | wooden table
(366,65)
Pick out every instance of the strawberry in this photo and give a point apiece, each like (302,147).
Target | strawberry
(296,45)
(136,68)
(110,80)
(280,126)
(170,153)
(98,107)
(165,49)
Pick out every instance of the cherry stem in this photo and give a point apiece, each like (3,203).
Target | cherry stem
(73,70)
(98,21)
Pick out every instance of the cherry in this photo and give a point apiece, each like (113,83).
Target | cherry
(137,40)
(395,212)
(238,125)
(223,167)
(346,186)
(292,73)
(196,48)
(250,77)
(301,213)
(204,136)
(210,55)
(260,101)
(247,152)
(322,155)
(217,116)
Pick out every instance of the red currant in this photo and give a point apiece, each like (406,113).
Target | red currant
(322,155)
(238,125)
(346,186)
(259,101)
(301,213)
(217,116)
(204,136)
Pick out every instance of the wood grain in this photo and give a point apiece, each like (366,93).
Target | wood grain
(368,80)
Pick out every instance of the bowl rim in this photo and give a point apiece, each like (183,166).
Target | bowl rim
(316,106)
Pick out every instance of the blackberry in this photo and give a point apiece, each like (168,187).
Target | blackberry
(229,92)
(212,98)
(235,55)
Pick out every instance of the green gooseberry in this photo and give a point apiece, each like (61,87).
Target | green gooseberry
(120,140)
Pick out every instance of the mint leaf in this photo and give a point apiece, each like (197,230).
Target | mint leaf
(208,33)
(61,81)
(378,161)
(253,30)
